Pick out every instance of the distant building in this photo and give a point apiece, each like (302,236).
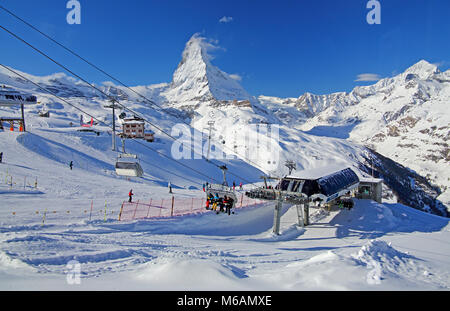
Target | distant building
(135,128)
(10,98)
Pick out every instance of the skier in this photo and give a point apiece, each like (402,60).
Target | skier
(234,185)
(240,185)
(221,205)
(71,165)
(226,201)
(203,185)
(207,204)
(1,157)
(229,205)
(130,195)
(170,187)
(215,202)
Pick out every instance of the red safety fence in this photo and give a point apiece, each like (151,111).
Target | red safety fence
(172,206)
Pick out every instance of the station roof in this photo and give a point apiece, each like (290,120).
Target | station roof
(370,180)
(319,172)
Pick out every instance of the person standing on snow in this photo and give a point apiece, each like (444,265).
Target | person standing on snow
(130,195)
(71,165)
(240,185)
(1,157)
(229,205)
(170,187)
(234,185)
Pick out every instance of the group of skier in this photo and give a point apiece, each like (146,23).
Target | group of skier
(224,204)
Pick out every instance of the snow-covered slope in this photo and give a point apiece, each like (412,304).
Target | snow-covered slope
(200,92)
(404,118)
(46,208)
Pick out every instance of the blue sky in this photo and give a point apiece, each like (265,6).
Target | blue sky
(279,48)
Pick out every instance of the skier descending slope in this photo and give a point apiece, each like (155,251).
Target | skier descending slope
(130,195)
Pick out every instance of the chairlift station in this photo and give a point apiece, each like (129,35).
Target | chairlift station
(319,187)
(11,98)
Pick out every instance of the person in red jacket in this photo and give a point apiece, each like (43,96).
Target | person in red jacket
(130,195)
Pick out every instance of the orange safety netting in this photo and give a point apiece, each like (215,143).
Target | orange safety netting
(172,206)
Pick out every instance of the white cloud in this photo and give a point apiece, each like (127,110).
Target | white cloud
(226,19)
(441,64)
(235,76)
(368,77)
(208,45)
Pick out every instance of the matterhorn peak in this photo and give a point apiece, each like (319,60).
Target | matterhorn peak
(197,80)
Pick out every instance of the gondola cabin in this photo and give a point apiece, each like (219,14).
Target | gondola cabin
(128,165)
(323,185)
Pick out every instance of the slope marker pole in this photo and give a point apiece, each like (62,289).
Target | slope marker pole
(90,214)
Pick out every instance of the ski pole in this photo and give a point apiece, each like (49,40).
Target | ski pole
(43,218)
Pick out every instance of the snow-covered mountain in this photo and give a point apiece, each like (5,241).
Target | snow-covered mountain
(314,130)
(196,80)
(404,118)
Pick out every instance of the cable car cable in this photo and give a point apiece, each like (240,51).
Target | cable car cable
(108,96)
(115,79)
(100,121)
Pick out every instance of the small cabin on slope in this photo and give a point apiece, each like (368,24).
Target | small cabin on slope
(370,188)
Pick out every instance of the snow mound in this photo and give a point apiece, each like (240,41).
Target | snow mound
(187,274)
(8,263)
(382,260)
(371,220)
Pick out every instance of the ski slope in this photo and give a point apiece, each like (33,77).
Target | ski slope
(372,247)
(51,215)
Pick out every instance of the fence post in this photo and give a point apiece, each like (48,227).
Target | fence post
(121,209)
(43,218)
(90,214)
(171,211)
(137,205)
(242,198)
(149,206)
(105,212)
